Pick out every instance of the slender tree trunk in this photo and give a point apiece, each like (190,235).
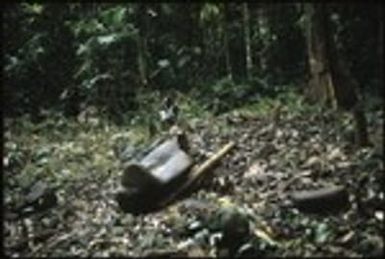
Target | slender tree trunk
(381,48)
(246,25)
(207,68)
(226,42)
(262,26)
(142,44)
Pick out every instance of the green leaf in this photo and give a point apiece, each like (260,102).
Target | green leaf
(209,12)
(322,233)
(119,15)
(163,63)
(114,17)
(33,8)
(107,39)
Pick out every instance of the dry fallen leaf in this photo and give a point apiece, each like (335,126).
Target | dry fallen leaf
(256,169)
(379,215)
(335,154)
(265,236)
(312,161)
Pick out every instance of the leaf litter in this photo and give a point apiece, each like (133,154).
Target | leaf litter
(272,159)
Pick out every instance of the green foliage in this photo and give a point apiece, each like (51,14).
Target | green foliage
(77,55)
(209,12)
(33,33)
(224,95)
(101,69)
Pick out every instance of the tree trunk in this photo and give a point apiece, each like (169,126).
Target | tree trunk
(262,25)
(246,25)
(331,80)
(320,84)
(142,44)
(226,42)
(381,49)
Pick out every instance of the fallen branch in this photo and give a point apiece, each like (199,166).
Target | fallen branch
(197,171)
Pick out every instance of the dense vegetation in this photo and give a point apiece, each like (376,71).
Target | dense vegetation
(296,85)
(75,55)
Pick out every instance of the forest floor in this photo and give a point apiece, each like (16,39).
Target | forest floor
(276,153)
